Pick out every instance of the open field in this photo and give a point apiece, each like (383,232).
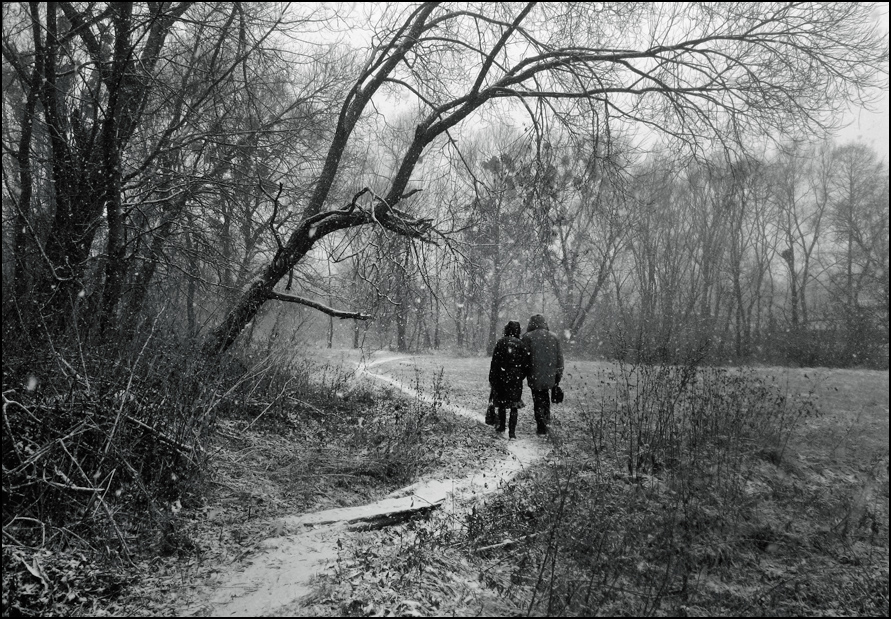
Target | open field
(788,517)
(854,403)
(665,490)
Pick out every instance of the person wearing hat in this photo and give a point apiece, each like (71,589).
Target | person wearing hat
(510,365)
(546,369)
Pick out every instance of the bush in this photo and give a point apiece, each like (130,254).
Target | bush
(651,492)
(102,448)
(105,446)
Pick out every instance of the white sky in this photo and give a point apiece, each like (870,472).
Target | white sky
(870,127)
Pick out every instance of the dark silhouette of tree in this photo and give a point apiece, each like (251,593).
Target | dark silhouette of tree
(705,72)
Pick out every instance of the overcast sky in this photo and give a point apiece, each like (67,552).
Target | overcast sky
(871,128)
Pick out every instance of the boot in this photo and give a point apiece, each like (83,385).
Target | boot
(512,425)
(542,428)
(501,419)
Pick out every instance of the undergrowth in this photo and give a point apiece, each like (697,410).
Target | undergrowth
(330,442)
(101,449)
(350,443)
(660,507)
(112,462)
(669,490)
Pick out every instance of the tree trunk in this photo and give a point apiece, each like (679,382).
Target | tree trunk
(436,342)
(21,287)
(789,255)
(113,141)
(192,273)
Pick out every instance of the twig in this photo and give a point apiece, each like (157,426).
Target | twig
(14,540)
(263,412)
(290,298)
(7,402)
(19,404)
(42,528)
(508,542)
(117,420)
(36,239)
(69,486)
(100,499)
(84,475)
(221,432)
(308,405)
(46,449)
(117,531)
(182,448)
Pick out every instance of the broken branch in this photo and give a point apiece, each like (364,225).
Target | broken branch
(290,298)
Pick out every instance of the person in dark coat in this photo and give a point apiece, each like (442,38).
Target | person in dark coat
(546,368)
(510,364)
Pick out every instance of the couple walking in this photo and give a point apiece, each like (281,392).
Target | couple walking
(537,357)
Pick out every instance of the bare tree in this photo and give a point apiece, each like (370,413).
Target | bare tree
(582,215)
(146,109)
(700,72)
(859,222)
(800,180)
(98,75)
(859,216)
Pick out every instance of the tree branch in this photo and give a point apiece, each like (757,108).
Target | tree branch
(290,298)
(274,200)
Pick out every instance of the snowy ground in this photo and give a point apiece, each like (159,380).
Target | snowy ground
(306,545)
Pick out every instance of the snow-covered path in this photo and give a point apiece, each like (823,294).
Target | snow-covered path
(275,580)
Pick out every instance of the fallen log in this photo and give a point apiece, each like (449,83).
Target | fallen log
(389,519)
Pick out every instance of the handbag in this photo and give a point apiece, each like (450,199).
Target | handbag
(556,395)
(491,415)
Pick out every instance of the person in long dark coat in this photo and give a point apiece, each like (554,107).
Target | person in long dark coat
(510,365)
(546,368)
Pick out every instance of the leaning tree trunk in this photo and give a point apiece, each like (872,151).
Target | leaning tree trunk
(223,336)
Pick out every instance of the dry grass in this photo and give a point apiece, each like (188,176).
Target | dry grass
(798,526)
(801,529)
(336,442)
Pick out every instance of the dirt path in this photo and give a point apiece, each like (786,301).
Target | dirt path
(275,580)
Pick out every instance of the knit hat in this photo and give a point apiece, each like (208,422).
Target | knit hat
(512,328)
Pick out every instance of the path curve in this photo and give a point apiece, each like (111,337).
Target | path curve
(279,577)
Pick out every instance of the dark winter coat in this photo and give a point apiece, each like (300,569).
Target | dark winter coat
(545,353)
(510,365)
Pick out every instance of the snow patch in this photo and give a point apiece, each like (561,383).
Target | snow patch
(280,576)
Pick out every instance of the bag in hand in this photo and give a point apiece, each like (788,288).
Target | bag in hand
(556,395)
(491,414)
